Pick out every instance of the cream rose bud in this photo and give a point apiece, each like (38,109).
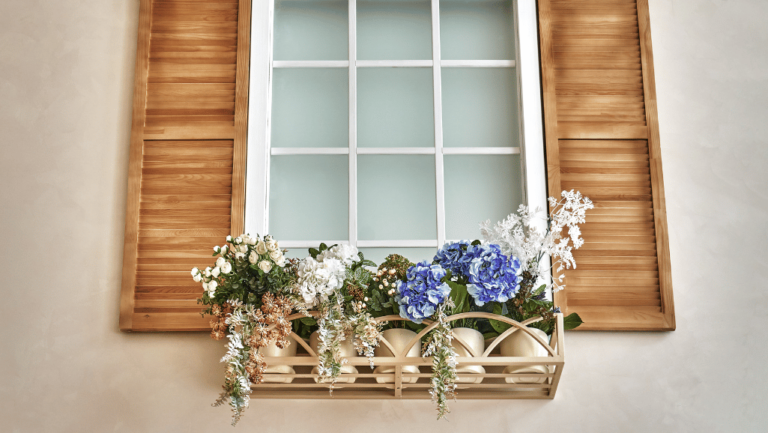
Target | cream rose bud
(216,249)
(272,245)
(265,266)
(229,238)
(238,240)
(251,240)
(197,278)
(212,287)
(280,262)
(242,248)
(220,261)
(226,268)
(261,247)
(207,272)
(205,286)
(224,249)
(215,272)
(195,271)
(253,258)
(239,255)
(275,255)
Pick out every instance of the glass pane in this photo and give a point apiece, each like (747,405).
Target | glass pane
(395,107)
(311,30)
(415,255)
(476,30)
(394,30)
(310,108)
(308,197)
(396,197)
(480,107)
(494,183)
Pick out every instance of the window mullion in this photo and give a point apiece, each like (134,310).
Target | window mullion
(439,178)
(353,122)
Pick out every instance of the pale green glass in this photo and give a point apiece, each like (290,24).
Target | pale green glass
(310,107)
(395,107)
(311,30)
(480,107)
(415,255)
(479,188)
(476,30)
(309,197)
(396,197)
(394,30)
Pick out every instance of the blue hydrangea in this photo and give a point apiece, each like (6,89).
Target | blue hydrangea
(453,256)
(422,292)
(493,277)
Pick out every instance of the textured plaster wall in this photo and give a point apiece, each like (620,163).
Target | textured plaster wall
(66,77)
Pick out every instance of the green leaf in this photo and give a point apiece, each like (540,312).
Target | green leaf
(476,242)
(488,335)
(367,262)
(460,297)
(309,321)
(323,246)
(314,252)
(572,321)
(539,290)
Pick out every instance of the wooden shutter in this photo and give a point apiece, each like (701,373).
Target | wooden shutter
(187,155)
(602,138)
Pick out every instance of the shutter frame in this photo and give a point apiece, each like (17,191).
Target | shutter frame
(614,318)
(162,310)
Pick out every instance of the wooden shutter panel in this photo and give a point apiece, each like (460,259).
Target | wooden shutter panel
(187,155)
(602,138)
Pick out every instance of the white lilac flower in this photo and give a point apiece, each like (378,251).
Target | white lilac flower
(265,266)
(226,268)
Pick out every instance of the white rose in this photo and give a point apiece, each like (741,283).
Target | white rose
(253,258)
(216,249)
(272,245)
(239,255)
(275,255)
(205,286)
(261,247)
(238,240)
(212,288)
(280,262)
(224,249)
(197,278)
(251,240)
(195,271)
(229,238)
(215,272)
(220,261)
(208,272)
(242,248)
(227,268)
(265,266)
(268,237)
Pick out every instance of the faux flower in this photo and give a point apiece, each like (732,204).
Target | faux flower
(265,266)
(207,272)
(211,287)
(253,258)
(272,245)
(261,247)
(220,261)
(229,238)
(453,256)
(251,240)
(215,272)
(224,249)
(493,277)
(275,255)
(346,254)
(422,292)
(281,262)
(198,278)
(195,271)
(318,280)
(238,240)
(226,268)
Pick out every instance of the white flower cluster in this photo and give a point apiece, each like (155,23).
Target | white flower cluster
(261,252)
(319,278)
(529,236)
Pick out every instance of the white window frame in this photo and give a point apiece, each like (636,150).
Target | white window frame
(260,102)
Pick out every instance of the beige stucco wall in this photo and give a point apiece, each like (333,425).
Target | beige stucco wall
(66,76)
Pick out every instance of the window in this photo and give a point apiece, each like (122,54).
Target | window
(391,125)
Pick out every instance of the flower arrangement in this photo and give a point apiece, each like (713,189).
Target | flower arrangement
(253,288)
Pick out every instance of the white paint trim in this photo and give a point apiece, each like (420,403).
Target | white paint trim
(352,122)
(481,150)
(394,63)
(438,95)
(259,107)
(309,151)
(477,63)
(310,64)
(397,244)
(307,244)
(395,150)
